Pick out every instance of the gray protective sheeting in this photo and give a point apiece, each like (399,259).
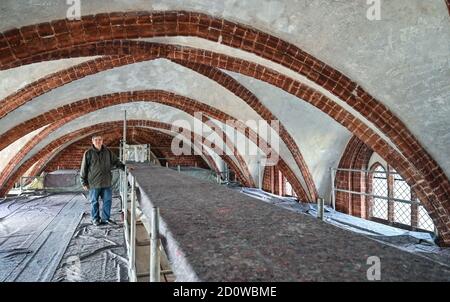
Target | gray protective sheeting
(95,253)
(34,233)
(66,181)
(42,239)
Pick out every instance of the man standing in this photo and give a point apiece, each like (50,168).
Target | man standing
(95,174)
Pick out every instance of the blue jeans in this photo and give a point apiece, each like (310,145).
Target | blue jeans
(106,195)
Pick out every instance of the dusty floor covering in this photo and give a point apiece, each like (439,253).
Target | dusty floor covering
(95,253)
(34,233)
(51,238)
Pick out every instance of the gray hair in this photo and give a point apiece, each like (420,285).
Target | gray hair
(96,135)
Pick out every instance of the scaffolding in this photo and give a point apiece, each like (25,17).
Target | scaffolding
(128,194)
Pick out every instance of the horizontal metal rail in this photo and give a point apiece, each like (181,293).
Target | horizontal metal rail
(364,171)
(378,197)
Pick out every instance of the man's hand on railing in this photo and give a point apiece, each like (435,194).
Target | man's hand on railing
(86,188)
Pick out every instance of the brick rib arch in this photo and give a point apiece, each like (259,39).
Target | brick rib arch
(64,114)
(243,93)
(58,79)
(421,169)
(35,40)
(413,152)
(412,170)
(188,105)
(48,150)
(69,112)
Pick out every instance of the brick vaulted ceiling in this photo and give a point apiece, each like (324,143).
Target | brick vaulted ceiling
(321,68)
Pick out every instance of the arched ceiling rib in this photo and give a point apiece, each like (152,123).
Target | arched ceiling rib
(321,140)
(104,115)
(404,149)
(360,101)
(135,111)
(158,96)
(10,151)
(159,75)
(15,79)
(407,29)
(319,101)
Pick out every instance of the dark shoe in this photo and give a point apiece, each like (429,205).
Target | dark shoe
(109,221)
(96,222)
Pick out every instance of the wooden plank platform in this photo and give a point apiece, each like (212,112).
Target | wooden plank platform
(212,233)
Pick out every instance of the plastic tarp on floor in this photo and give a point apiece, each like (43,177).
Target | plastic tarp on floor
(95,253)
(34,233)
(51,238)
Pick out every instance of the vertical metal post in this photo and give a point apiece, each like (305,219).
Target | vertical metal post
(154,247)
(179,168)
(125,127)
(124,136)
(167,164)
(125,219)
(227,175)
(125,193)
(120,151)
(121,187)
(125,207)
(133,232)
(149,153)
(320,208)
(390,186)
(258,161)
(333,191)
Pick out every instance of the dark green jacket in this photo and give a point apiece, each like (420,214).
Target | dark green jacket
(96,167)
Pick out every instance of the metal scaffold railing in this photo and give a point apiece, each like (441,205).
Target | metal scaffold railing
(389,200)
(129,207)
